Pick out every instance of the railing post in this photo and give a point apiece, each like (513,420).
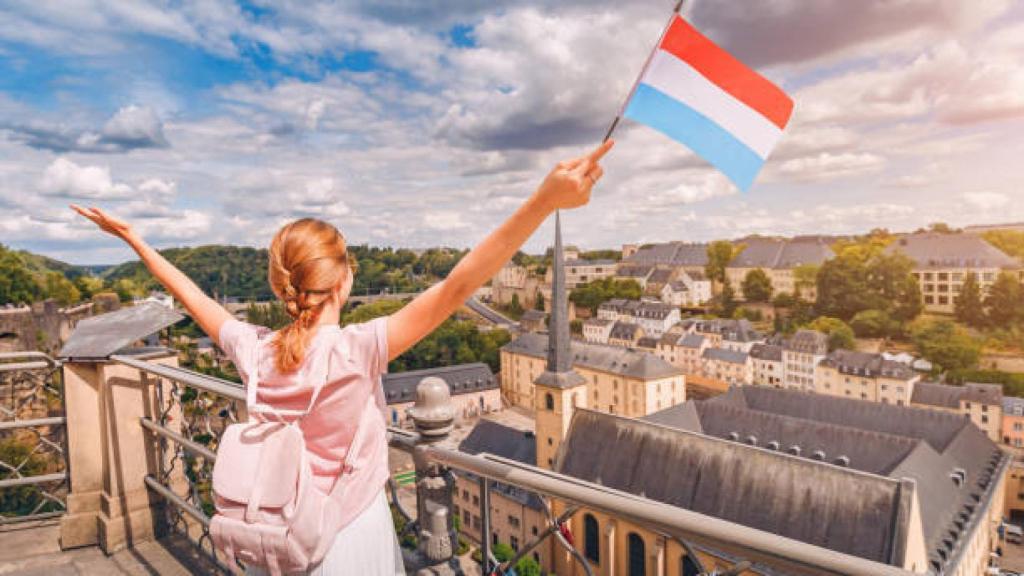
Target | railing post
(109,455)
(433,416)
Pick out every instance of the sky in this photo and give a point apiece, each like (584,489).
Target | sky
(417,123)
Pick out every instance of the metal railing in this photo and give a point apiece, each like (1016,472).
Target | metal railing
(33,440)
(208,404)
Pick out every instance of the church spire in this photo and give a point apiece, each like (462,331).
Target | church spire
(559,372)
(559,359)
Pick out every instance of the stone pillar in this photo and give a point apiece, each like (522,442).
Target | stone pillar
(609,542)
(109,455)
(659,556)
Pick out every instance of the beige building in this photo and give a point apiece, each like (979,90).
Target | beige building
(729,366)
(866,377)
(981,403)
(582,271)
(824,470)
(800,356)
(514,280)
(684,351)
(943,261)
(779,259)
(766,365)
(475,391)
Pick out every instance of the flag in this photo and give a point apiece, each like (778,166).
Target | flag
(696,93)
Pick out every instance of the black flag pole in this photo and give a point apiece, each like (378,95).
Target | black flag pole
(622,109)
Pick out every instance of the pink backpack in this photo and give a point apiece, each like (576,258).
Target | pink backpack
(269,513)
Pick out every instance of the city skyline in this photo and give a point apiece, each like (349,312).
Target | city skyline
(412,126)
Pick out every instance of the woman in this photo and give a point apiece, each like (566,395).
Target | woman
(311,273)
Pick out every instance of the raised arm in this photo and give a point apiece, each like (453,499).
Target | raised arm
(567,186)
(204,310)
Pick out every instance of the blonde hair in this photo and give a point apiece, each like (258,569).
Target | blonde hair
(308,261)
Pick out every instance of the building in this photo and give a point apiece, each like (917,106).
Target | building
(981,403)
(1013,422)
(690,258)
(800,356)
(766,367)
(687,290)
(516,281)
(474,389)
(597,330)
(917,489)
(533,321)
(738,335)
(517,515)
(657,281)
(729,366)
(579,271)
(943,261)
(685,351)
(654,317)
(624,334)
(636,273)
(865,376)
(779,259)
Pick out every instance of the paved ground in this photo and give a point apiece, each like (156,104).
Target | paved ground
(32,549)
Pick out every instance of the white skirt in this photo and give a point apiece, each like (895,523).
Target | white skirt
(367,546)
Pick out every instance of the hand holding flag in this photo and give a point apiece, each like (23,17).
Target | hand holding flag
(698,94)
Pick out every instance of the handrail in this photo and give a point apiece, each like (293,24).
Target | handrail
(710,531)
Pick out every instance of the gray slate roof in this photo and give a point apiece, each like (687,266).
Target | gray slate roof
(950,396)
(725,355)
(508,442)
(775,253)
(672,254)
(733,330)
(807,342)
(768,352)
(853,504)
(613,359)
(624,331)
(400,387)
(855,363)
(691,341)
(932,250)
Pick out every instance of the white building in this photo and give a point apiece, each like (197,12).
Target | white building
(687,290)
(654,317)
(800,356)
(597,330)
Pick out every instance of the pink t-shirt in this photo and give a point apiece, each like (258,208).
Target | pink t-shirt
(349,362)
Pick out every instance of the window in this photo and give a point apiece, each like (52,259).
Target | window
(689,567)
(466,517)
(591,539)
(533,530)
(465,495)
(513,521)
(551,441)
(476,522)
(549,401)
(637,556)
(984,418)
(476,500)
(514,542)
(494,538)
(984,407)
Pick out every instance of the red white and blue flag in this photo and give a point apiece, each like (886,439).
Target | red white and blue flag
(696,93)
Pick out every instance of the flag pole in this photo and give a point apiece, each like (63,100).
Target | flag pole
(622,109)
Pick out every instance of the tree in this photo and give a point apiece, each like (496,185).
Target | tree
(720,255)
(17,283)
(596,292)
(126,289)
(863,277)
(1009,241)
(805,277)
(515,307)
(840,335)
(1003,303)
(527,567)
(726,301)
(538,302)
(503,552)
(968,306)
(757,286)
(272,315)
(58,287)
(874,324)
(88,285)
(843,287)
(946,345)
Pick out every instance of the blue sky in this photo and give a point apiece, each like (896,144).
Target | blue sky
(420,124)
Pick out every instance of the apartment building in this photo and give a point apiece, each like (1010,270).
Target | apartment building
(800,356)
(865,376)
(767,368)
(982,404)
(474,389)
(579,272)
(625,334)
(653,316)
(778,258)
(689,258)
(943,261)
(684,351)
(738,335)
(597,330)
(730,366)
(687,290)
(1013,422)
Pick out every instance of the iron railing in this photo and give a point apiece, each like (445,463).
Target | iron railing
(33,440)
(218,402)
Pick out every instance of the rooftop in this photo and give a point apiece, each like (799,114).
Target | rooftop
(807,342)
(672,254)
(461,379)
(503,439)
(933,250)
(601,357)
(725,355)
(866,364)
(949,396)
(769,352)
(776,253)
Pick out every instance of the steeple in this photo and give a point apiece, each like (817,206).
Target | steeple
(559,372)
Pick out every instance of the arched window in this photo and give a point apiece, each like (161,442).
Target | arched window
(637,555)
(549,401)
(591,539)
(689,567)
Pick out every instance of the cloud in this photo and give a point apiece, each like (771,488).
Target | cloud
(986,201)
(826,166)
(130,128)
(63,178)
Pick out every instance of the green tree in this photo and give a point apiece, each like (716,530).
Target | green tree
(538,302)
(271,314)
(1009,241)
(805,277)
(503,552)
(88,285)
(840,335)
(18,285)
(527,567)
(946,345)
(725,303)
(757,286)
(720,254)
(874,324)
(58,287)
(369,311)
(515,307)
(968,306)
(843,288)
(1004,304)
(126,289)
(596,292)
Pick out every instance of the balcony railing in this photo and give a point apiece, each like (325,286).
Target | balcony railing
(33,465)
(206,405)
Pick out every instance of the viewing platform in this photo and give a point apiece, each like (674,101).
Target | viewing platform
(130,439)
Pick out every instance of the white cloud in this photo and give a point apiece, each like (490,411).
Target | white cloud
(986,201)
(827,166)
(64,178)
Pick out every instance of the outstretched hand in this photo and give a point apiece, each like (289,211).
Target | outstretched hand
(569,183)
(107,222)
